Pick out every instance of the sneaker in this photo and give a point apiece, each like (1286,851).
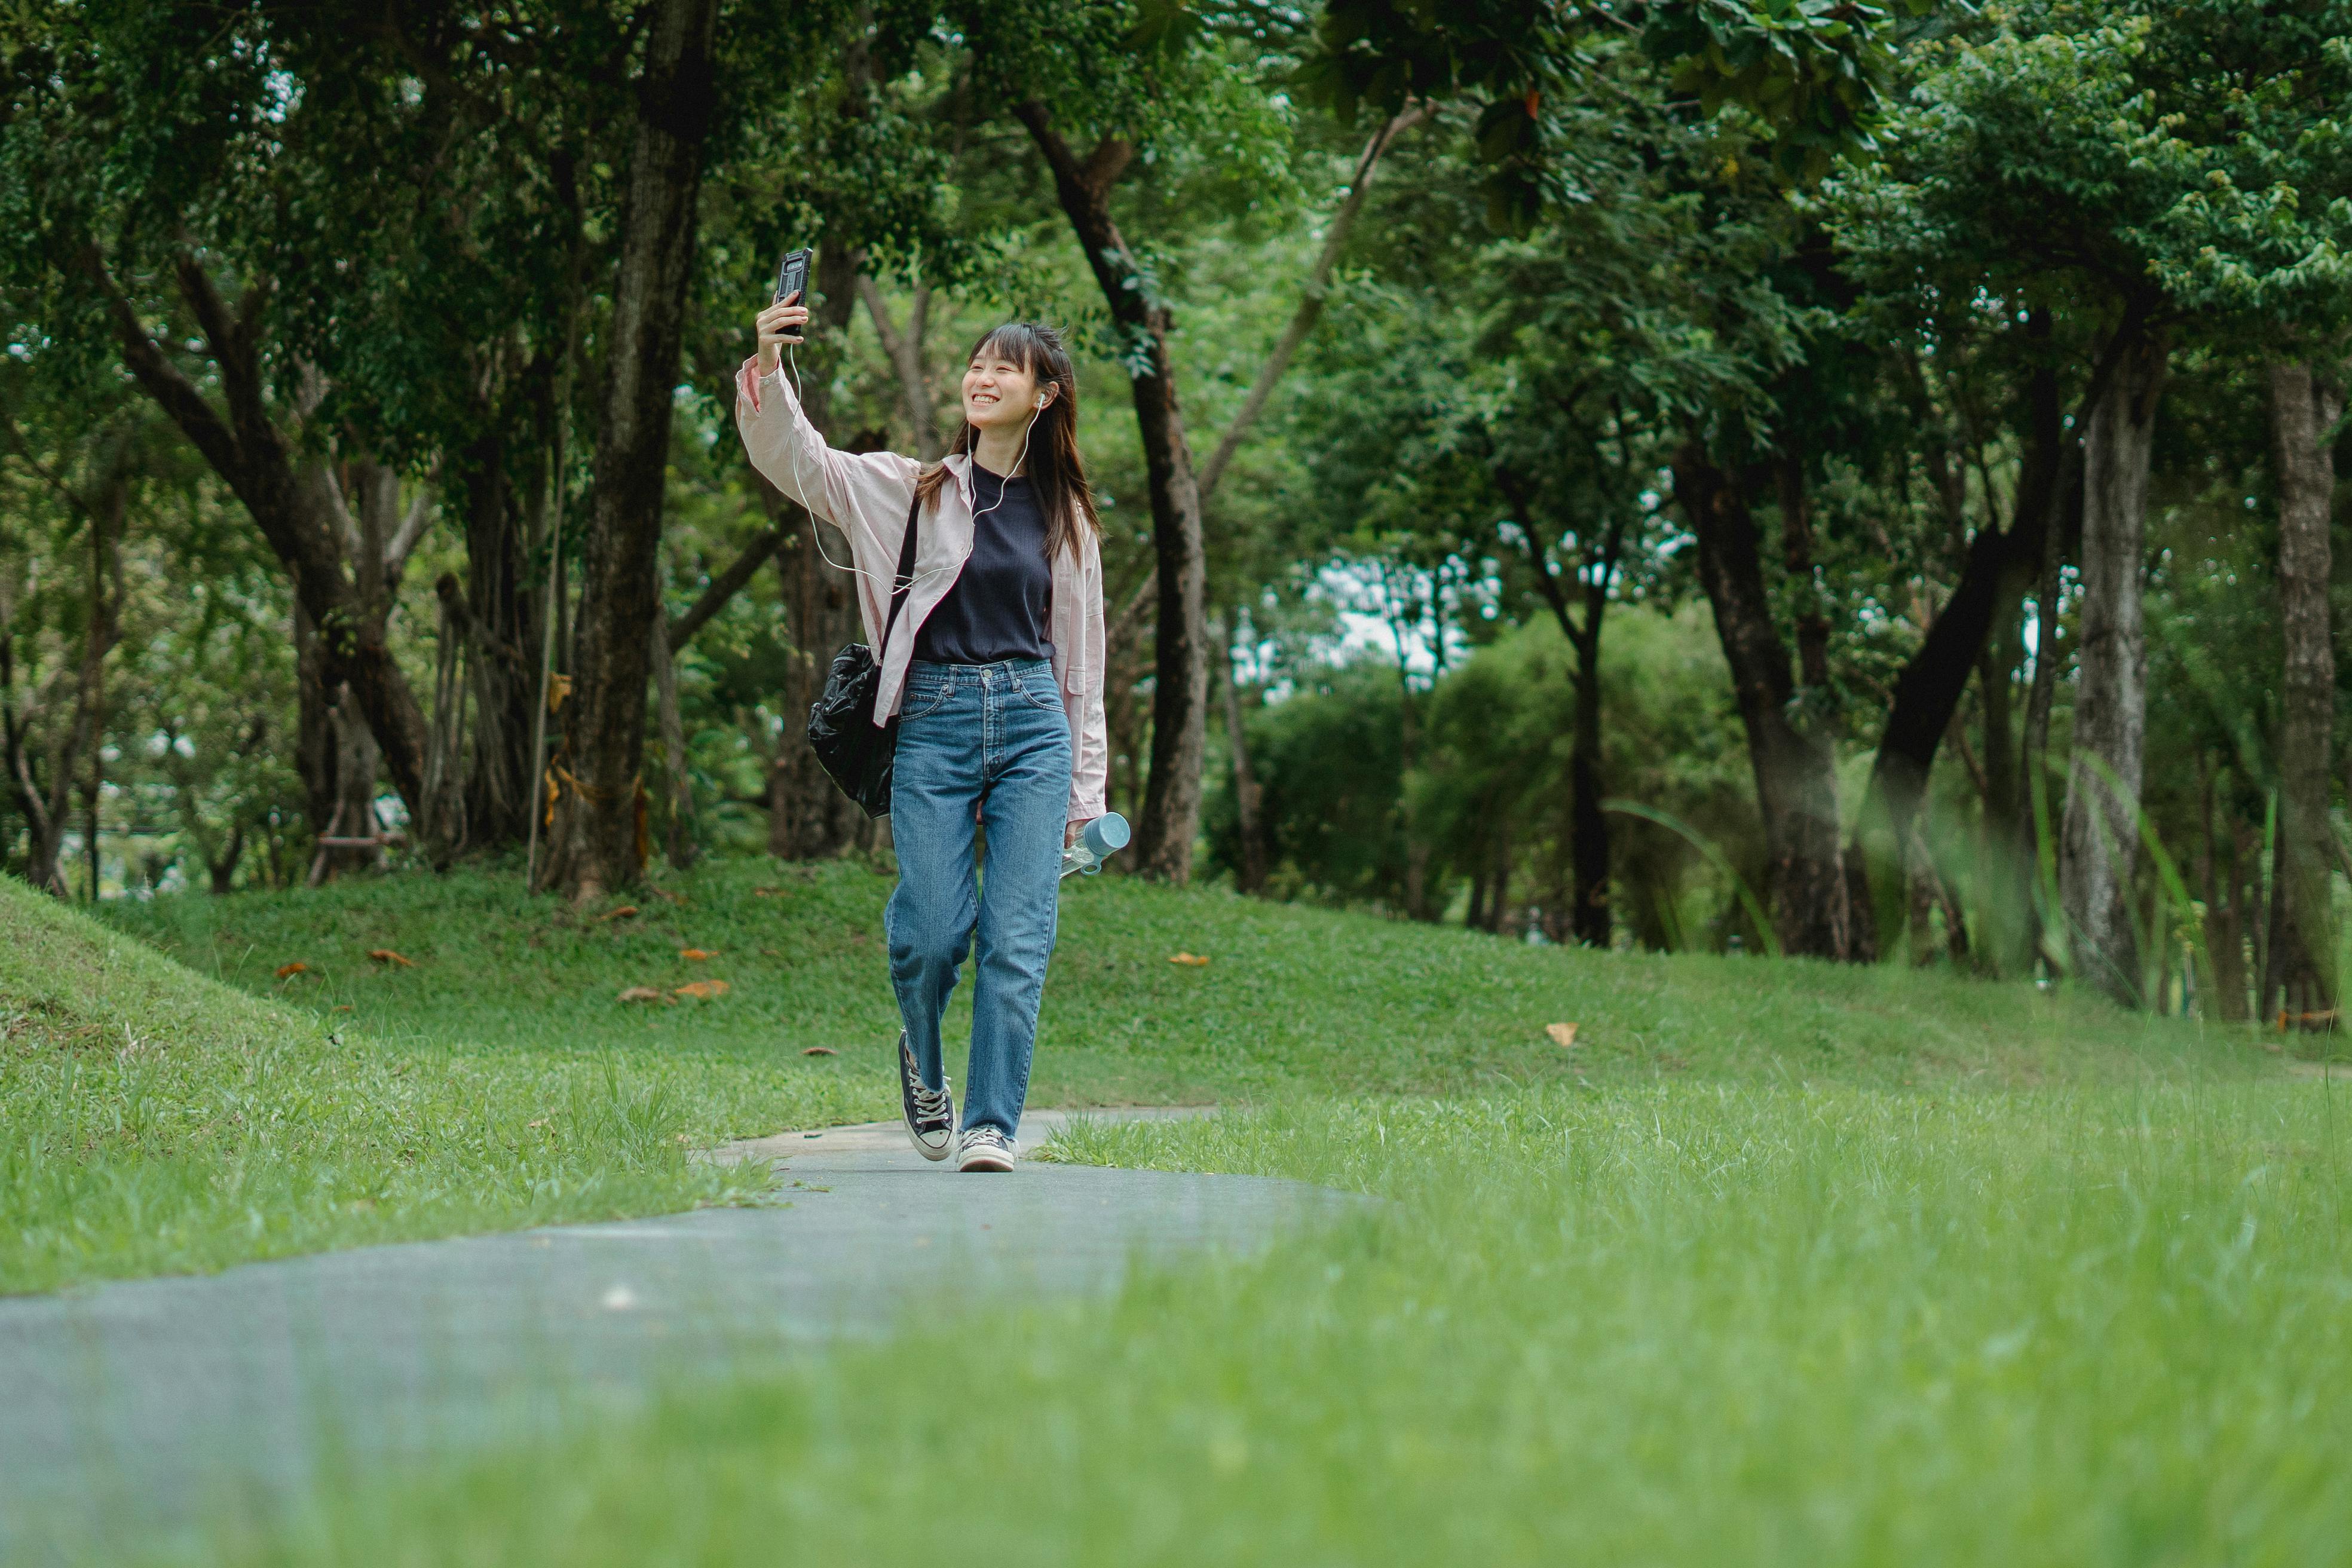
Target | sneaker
(930,1113)
(985,1148)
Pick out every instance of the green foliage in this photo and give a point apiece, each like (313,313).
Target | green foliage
(2174,158)
(1811,72)
(1814,71)
(1490,792)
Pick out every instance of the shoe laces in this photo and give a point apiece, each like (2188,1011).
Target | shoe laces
(989,1136)
(930,1103)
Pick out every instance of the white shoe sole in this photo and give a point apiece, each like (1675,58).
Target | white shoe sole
(985,1159)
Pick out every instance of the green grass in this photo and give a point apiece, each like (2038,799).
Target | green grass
(1656,1323)
(154,1121)
(1293,999)
(1785,1263)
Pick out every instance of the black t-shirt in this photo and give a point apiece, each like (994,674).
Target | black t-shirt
(997,608)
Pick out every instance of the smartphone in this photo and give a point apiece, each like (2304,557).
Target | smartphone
(792,278)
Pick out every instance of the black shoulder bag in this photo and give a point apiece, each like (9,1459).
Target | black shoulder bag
(841,729)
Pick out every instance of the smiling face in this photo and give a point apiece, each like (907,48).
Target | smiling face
(999,391)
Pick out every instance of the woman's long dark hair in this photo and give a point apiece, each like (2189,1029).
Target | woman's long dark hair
(1055,467)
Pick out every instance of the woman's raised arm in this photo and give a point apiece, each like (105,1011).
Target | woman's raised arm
(864,494)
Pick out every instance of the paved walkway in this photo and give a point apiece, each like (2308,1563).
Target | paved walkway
(134,1411)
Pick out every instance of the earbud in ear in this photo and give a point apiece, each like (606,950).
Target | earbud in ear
(1041,401)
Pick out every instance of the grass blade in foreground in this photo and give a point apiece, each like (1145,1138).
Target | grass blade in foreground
(1672,1324)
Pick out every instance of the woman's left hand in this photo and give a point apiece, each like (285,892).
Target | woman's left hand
(1070,834)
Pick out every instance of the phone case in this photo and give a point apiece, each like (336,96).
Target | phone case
(793,275)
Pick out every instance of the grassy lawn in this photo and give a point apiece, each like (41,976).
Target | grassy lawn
(1668,1323)
(1782,1263)
(157,1120)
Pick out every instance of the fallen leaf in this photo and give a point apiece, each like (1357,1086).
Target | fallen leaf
(767,892)
(540,1122)
(1562,1034)
(625,912)
(703,989)
(642,994)
(385,955)
(344,1007)
(1192,959)
(820,1051)
(697,953)
(770,953)
(287,971)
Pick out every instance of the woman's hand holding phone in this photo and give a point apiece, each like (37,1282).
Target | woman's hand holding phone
(786,321)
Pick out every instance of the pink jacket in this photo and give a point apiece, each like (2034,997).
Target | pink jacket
(866,495)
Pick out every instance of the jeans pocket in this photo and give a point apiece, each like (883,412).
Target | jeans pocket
(925,697)
(1038,687)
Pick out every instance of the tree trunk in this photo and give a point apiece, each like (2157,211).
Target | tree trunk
(2225,942)
(223,871)
(1920,885)
(314,725)
(2050,653)
(1796,777)
(1179,700)
(2099,837)
(1498,882)
(1589,828)
(1591,921)
(1998,569)
(294,508)
(2305,409)
(47,806)
(502,636)
(1248,797)
(2005,877)
(614,643)
(357,763)
(679,846)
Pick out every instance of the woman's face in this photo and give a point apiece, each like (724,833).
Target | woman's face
(998,393)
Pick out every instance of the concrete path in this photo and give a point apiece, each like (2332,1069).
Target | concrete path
(134,1413)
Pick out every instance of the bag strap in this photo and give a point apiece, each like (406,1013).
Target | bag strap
(905,578)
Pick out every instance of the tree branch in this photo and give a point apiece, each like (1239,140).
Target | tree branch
(164,381)
(1538,556)
(411,531)
(726,584)
(1310,305)
(905,349)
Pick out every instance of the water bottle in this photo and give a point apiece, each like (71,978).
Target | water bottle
(1104,836)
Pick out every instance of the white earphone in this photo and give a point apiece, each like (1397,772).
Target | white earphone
(816,535)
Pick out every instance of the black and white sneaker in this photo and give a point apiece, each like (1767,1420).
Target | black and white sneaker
(930,1113)
(985,1148)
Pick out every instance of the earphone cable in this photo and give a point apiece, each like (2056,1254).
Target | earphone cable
(816,535)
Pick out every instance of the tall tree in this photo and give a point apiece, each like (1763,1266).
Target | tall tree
(2306,408)
(605,716)
(2072,112)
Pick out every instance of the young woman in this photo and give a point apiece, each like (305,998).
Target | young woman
(994,670)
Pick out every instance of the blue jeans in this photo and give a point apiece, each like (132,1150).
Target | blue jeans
(986,745)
